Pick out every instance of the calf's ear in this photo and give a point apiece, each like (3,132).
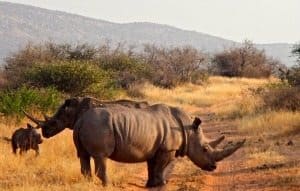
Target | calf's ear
(29,126)
(196,123)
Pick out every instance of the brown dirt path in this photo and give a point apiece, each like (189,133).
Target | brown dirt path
(235,173)
(232,174)
(186,176)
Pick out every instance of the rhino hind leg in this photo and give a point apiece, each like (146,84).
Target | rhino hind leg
(85,166)
(100,169)
(36,148)
(14,146)
(157,167)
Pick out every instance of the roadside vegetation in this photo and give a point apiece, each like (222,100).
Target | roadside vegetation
(251,92)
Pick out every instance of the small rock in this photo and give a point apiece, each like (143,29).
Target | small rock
(260,140)
(290,143)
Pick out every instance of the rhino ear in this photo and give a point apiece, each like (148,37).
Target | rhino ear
(71,102)
(29,126)
(196,123)
(86,102)
(68,102)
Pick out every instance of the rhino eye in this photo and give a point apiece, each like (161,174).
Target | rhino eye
(205,149)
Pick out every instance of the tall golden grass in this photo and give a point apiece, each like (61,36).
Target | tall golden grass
(271,123)
(224,96)
(57,167)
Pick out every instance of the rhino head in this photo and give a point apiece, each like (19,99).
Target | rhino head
(202,152)
(65,116)
(35,137)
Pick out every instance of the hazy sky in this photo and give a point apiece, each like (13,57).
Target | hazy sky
(259,20)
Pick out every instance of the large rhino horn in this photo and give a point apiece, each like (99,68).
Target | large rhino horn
(216,142)
(38,122)
(220,154)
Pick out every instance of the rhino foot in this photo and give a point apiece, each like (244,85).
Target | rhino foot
(155,183)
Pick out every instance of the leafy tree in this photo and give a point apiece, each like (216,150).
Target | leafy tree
(296,52)
(293,74)
(172,66)
(72,77)
(244,61)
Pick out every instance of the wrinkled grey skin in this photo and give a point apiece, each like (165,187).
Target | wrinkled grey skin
(71,110)
(25,139)
(156,134)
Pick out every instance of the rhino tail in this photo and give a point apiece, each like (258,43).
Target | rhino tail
(7,139)
(14,146)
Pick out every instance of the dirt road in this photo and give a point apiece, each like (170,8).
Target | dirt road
(233,173)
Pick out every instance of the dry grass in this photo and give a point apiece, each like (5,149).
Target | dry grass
(257,157)
(223,96)
(287,177)
(57,168)
(271,123)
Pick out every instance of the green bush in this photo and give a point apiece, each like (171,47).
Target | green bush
(244,61)
(166,67)
(18,62)
(280,96)
(72,77)
(293,76)
(13,101)
(283,99)
(200,77)
(174,66)
(127,70)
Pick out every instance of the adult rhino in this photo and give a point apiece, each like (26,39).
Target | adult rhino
(156,134)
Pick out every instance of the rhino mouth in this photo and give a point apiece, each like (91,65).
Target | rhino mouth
(46,135)
(209,168)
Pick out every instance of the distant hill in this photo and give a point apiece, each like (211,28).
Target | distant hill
(20,24)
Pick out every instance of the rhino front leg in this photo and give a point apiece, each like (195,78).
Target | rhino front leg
(100,169)
(37,152)
(36,149)
(85,166)
(22,150)
(156,168)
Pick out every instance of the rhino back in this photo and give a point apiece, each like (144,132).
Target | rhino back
(21,138)
(136,133)
(18,135)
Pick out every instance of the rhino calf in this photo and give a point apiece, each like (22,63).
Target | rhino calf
(25,139)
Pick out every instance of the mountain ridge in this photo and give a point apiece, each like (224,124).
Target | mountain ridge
(20,24)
